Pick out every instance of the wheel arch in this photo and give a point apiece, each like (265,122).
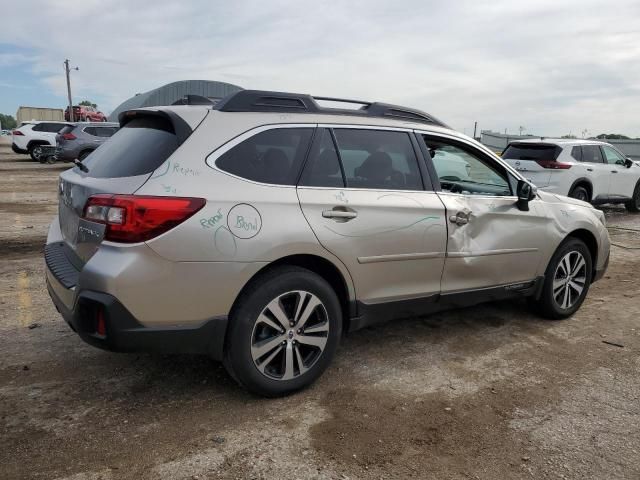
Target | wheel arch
(320,266)
(590,241)
(33,143)
(582,182)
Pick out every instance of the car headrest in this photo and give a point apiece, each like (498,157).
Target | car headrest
(377,166)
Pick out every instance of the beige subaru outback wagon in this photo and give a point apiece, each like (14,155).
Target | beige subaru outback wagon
(261,229)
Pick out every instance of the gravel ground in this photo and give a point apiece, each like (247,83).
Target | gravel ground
(481,393)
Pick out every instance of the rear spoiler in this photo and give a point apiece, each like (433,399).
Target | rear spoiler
(180,127)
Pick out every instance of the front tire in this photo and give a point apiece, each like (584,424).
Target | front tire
(633,205)
(283,332)
(580,193)
(567,280)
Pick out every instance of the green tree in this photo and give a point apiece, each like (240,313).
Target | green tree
(87,103)
(612,136)
(7,122)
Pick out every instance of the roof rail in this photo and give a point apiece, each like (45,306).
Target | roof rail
(265,101)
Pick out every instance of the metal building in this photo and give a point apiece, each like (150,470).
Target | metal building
(168,94)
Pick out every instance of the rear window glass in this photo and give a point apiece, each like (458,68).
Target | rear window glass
(274,156)
(67,129)
(140,147)
(531,152)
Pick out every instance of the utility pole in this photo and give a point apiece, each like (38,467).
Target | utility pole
(66,71)
(475,127)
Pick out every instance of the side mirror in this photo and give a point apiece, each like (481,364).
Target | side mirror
(628,162)
(525,193)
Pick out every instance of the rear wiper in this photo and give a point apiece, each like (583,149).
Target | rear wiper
(81,166)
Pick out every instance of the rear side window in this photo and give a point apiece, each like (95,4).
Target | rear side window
(378,159)
(140,147)
(576,152)
(592,154)
(90,131)
(106,131)
(323,167)
(273,156)
(533,152)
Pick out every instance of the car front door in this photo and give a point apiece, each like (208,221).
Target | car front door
(598,171)
(623,179)
(363,195)
(490,241)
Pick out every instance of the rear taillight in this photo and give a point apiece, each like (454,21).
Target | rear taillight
(137,218)
(68,136)
(552,164)
(18,133)
(101,328)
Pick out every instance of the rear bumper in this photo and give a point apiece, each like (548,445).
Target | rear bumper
(17,149)
(123,332)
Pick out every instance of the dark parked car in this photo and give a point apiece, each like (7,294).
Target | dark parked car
(79,140)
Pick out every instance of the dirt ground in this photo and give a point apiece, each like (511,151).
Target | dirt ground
(490,392)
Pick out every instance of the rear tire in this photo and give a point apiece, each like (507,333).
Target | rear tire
(35,151)
(566,281)
(283,332)
(580,193)
(633,205)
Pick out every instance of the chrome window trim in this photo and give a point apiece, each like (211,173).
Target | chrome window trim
(212,157)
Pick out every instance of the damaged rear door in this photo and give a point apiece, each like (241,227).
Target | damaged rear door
(490,241)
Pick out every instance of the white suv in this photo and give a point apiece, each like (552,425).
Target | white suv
(30,137)
(588,170)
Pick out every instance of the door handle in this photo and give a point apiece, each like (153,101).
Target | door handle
(614,171)
(460,218)
(589,169)
(339,214)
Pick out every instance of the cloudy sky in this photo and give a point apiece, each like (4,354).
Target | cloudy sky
(552,66)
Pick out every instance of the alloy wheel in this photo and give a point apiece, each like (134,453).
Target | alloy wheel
(289,335)
(569,280)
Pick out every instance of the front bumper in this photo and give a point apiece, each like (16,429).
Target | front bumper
(599,272)
(123,332)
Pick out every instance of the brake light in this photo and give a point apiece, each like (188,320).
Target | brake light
(101,328)
(68,136)
(137,218)
(18,133)
(552,164)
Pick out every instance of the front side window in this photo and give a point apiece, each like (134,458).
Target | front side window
(612,157)
(591,154)
(461,170)
(273,156)
(378,159)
